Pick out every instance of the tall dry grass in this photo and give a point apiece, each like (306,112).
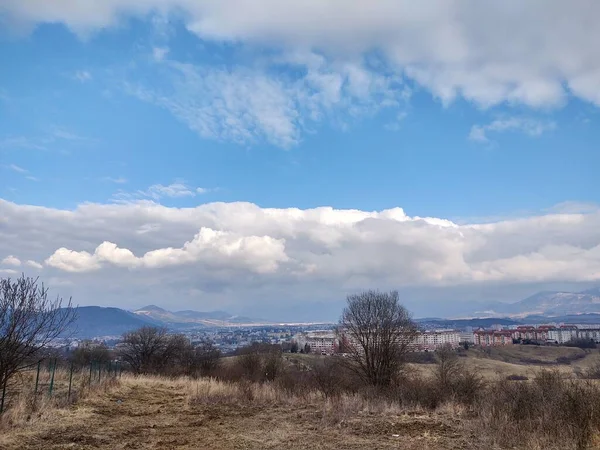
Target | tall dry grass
(26,407)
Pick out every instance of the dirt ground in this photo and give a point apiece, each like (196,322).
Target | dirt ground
(158,416)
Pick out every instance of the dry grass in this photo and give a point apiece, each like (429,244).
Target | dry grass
(162,413)
(159,413)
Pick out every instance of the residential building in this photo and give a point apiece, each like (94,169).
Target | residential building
(490,338)
(432,340)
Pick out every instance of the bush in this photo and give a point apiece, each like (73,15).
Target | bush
(420,358)
(550,411)
(581,343)
(514,377)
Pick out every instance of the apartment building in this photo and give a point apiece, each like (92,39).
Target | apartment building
(319,342)
(432,340)
(490,338)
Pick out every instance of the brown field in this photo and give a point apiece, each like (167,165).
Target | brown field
(159,413)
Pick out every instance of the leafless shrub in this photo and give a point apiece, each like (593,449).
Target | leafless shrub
(326,374)
(551,411)
(29,320)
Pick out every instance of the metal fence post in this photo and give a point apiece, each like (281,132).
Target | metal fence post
(37,377)
(52,378)
(70,381)
(3,395)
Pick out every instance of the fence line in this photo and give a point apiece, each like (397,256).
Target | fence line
(46,377)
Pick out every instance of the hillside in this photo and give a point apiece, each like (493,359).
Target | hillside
(190,317)
(98,321)
(548,304)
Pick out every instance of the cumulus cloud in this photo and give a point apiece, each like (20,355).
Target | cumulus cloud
(451,48)
(11,260)
(260,254)
(238,252)
(530,127)
(33,264)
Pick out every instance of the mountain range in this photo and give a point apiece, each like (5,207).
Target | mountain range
(557,306)
(95,321)
(189,317)
(547,304)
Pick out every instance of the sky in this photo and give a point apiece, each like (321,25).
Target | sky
(270,157)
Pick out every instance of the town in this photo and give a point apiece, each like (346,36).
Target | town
(324,339)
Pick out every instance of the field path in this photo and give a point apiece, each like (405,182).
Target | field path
(158,416)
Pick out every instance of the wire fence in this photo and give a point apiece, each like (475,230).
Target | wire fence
(54,377)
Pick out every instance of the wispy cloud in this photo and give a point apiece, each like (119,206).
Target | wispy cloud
(17,169)
(23,142)
(118,180)
(22,171)
(51,135)
(82,76)
(159,53)
(178,189)
(530,127)
(61,133)
(277,100)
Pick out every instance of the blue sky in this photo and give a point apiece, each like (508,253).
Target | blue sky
(181,105)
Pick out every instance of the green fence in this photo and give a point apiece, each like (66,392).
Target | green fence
(57,377)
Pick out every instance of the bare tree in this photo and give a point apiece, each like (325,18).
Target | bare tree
(145,349)
(207,357)
(88,352)
(448,367)
(29,320)
(377,332)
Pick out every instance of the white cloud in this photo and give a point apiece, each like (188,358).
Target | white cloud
(260,254)
(234,253)
(248,104)
(117,180)
(159,53)
(156,192)
(17,169)
(33,264)
(530,127)
(82,76)
(11,260)
(451,48)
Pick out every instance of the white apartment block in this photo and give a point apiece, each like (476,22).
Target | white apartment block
(562,335)
(320,343)
(432,340)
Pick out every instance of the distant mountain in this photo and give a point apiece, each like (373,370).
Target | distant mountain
(462,323)
(548,304)
(189,317)
(98,321)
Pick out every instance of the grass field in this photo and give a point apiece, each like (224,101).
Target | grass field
(159,413)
